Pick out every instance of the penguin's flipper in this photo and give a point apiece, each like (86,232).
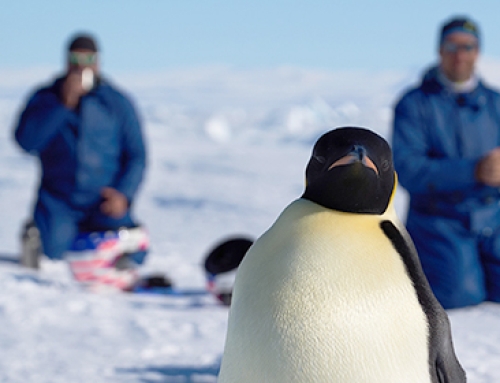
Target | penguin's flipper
(447,369)
(443,363)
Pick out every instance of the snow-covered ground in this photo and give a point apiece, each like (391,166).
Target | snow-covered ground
(228,150)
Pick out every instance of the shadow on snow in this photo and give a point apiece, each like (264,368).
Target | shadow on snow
(171,374)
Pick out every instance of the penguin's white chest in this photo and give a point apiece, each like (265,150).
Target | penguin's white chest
(324,297)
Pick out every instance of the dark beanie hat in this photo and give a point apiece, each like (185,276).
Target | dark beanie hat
(83,41)
(459,24)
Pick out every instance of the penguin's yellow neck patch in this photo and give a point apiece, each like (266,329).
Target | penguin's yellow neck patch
(390,205)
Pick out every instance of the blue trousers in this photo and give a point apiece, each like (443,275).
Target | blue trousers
(461,263)
(59,224)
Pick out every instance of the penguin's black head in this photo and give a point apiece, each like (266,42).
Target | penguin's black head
(351,170)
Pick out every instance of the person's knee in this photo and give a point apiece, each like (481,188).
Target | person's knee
(55,244)
(461,300)
(454,282)
(493,291)
(450,260)
(56,239)
(459,292)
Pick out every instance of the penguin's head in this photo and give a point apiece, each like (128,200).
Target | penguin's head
(351,170)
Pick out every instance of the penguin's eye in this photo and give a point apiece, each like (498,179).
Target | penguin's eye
(385,165)
(320,159)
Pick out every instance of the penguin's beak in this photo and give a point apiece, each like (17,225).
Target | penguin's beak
(357,154)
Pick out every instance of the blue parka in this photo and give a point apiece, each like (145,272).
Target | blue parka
(81,151)
(438,139)
(99,144)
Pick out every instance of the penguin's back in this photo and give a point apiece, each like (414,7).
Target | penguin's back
(323,296)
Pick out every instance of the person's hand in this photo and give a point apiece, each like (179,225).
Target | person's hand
(72,89)
(488,169)
(114,204)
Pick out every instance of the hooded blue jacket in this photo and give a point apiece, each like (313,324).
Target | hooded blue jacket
(438,138)
(81,151)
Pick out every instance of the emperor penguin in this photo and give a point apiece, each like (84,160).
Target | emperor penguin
(333,291)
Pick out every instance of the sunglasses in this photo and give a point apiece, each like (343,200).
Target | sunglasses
(450,47)
(82,58)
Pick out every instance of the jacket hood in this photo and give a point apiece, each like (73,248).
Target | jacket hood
(431,84)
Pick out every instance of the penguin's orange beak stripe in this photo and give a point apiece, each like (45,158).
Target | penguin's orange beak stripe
(351,158)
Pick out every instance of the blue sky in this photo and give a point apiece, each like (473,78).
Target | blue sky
(153,35)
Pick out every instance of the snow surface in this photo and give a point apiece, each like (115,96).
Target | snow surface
(227,152)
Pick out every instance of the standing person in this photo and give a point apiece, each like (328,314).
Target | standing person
(89,141)
(446,143)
